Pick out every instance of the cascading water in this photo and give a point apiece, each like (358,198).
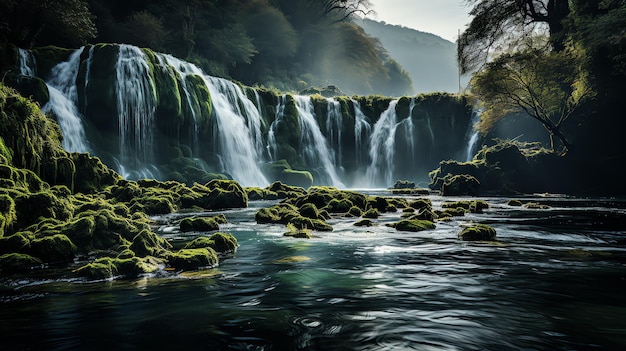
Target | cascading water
(314,147)
(334,126)
(472,135)
(236,141)
(28,66)
(136,106)
(380,170)
(62,103)
(362,131)
(238,123)
(87,73)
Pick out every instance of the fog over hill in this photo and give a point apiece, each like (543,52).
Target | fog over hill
(429,59)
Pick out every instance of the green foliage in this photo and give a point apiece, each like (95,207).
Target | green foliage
(544,85)
(56,22)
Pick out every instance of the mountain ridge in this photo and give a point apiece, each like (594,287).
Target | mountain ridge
(429,59)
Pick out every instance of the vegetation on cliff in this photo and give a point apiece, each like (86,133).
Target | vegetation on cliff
(69,210)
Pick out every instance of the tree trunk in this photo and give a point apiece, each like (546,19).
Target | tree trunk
(558,10)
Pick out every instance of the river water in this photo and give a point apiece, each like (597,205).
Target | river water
(554,280)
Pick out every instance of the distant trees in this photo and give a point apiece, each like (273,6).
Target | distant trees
(46,22)
(280,43)
(504,24)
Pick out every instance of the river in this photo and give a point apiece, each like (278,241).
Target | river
(554,280)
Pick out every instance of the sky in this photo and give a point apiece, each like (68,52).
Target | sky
(441,17)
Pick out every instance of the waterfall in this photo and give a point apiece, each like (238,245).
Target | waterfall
(87,73)
(238,122)
(472,136)
(136,106)
(236,141)
(409,131)
(362,131)
(28,65)
(62,103)
(314,147)
(382,144)
(334,126)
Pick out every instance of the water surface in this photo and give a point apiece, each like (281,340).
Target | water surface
(554,280)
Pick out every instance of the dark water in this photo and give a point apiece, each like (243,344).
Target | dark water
(555,280)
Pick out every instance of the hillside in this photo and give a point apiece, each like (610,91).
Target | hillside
(429,59)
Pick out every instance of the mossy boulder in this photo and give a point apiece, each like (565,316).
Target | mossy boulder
(297,178)
(371,213)
(364,223)
(403,184)
(55,248)
(202,224)
(18,242)
(146,243)
(222,243)
(459,185)
(192,259)
(108,267)
(478,232)
(18,262)
(414,225)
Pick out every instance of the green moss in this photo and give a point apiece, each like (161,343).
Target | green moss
(18,242)
(371,213)
(294,232)
(461,184)
(55,248)
(220,242)
(355,211)
(309,210)
(17,262)
(420,204)
(478,232)
(146,243)
(30,207)
(339,206)
(297,178)
(203,224)
(414,225)
(191,259)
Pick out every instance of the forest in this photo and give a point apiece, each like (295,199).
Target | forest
(283,44)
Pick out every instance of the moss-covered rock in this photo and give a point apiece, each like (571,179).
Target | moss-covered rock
(55,248)
(460,184)
(18,242)
(414,225)
(364,223)
(478,232)
(146,243)
(371,213)
(108,267)
(222,243)
(403,184)
(192,259)
(18,262)
(202,224)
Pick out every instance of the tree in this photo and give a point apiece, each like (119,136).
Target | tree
(508,23)
(46,22)
(547,86)
(341,10)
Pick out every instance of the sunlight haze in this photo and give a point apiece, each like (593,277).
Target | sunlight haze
(442,17)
